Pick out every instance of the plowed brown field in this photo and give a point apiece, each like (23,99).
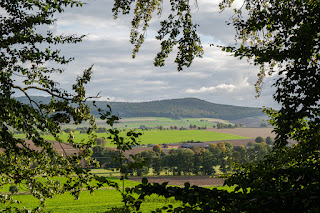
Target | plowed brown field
(179,181)
(247,132)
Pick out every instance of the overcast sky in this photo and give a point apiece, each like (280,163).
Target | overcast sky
(217,77)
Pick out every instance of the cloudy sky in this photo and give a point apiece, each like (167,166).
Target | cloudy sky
(217,77)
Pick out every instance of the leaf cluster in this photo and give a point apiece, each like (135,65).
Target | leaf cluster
(176,30)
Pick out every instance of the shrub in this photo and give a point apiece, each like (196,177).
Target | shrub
(57,183)
(13,189)
(269,140)
(263,125)
(259,139)
(157,148)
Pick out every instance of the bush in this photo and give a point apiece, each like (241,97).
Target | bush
(263,125)
(13,189)
(269,140)
(57,183)
(157,148)
(259,139)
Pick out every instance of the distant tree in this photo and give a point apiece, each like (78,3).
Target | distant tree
(208,162)
(259,139)
(157,148)
(184,161)
(101,142)
(258,151)
(101,130)
(269,140)
(222,146)
(239,154)
(13,189)
(142,127)
(229,147)
(263,125)
(249,144)
(67,130)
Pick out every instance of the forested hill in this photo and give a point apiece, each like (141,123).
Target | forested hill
(176,108)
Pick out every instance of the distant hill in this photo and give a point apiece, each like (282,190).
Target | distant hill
(175,108)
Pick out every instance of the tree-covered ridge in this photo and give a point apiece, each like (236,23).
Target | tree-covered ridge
(175,108)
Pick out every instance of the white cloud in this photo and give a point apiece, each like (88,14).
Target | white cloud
(221,87)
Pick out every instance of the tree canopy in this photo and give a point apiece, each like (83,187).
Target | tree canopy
(26,53)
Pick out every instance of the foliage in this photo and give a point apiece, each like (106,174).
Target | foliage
(13,189)
(259,139)
(24,68)
(177,29)
(26,55)
(194,161)
(263,125)
(156,148)
(269,140)
(101,141)
(283,37)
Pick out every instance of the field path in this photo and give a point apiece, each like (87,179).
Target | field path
(247,132)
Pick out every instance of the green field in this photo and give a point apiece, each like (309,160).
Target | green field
(160,137)
(99,201)
(158,121)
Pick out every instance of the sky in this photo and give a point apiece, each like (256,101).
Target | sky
(217,77)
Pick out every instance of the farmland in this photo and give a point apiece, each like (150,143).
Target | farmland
(100,201)
(104,199)
(160,137)
(159,121)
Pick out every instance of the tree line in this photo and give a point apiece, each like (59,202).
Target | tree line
(220,157)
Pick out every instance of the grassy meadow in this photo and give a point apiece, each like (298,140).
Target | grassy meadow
(101,200)
(158,136)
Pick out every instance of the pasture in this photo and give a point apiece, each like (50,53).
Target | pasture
(104,199)
(158,136)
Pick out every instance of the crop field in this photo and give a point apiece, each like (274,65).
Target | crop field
(176,136)
(247,132)
(160,137)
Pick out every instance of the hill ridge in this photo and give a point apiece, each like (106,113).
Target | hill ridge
(173,108)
